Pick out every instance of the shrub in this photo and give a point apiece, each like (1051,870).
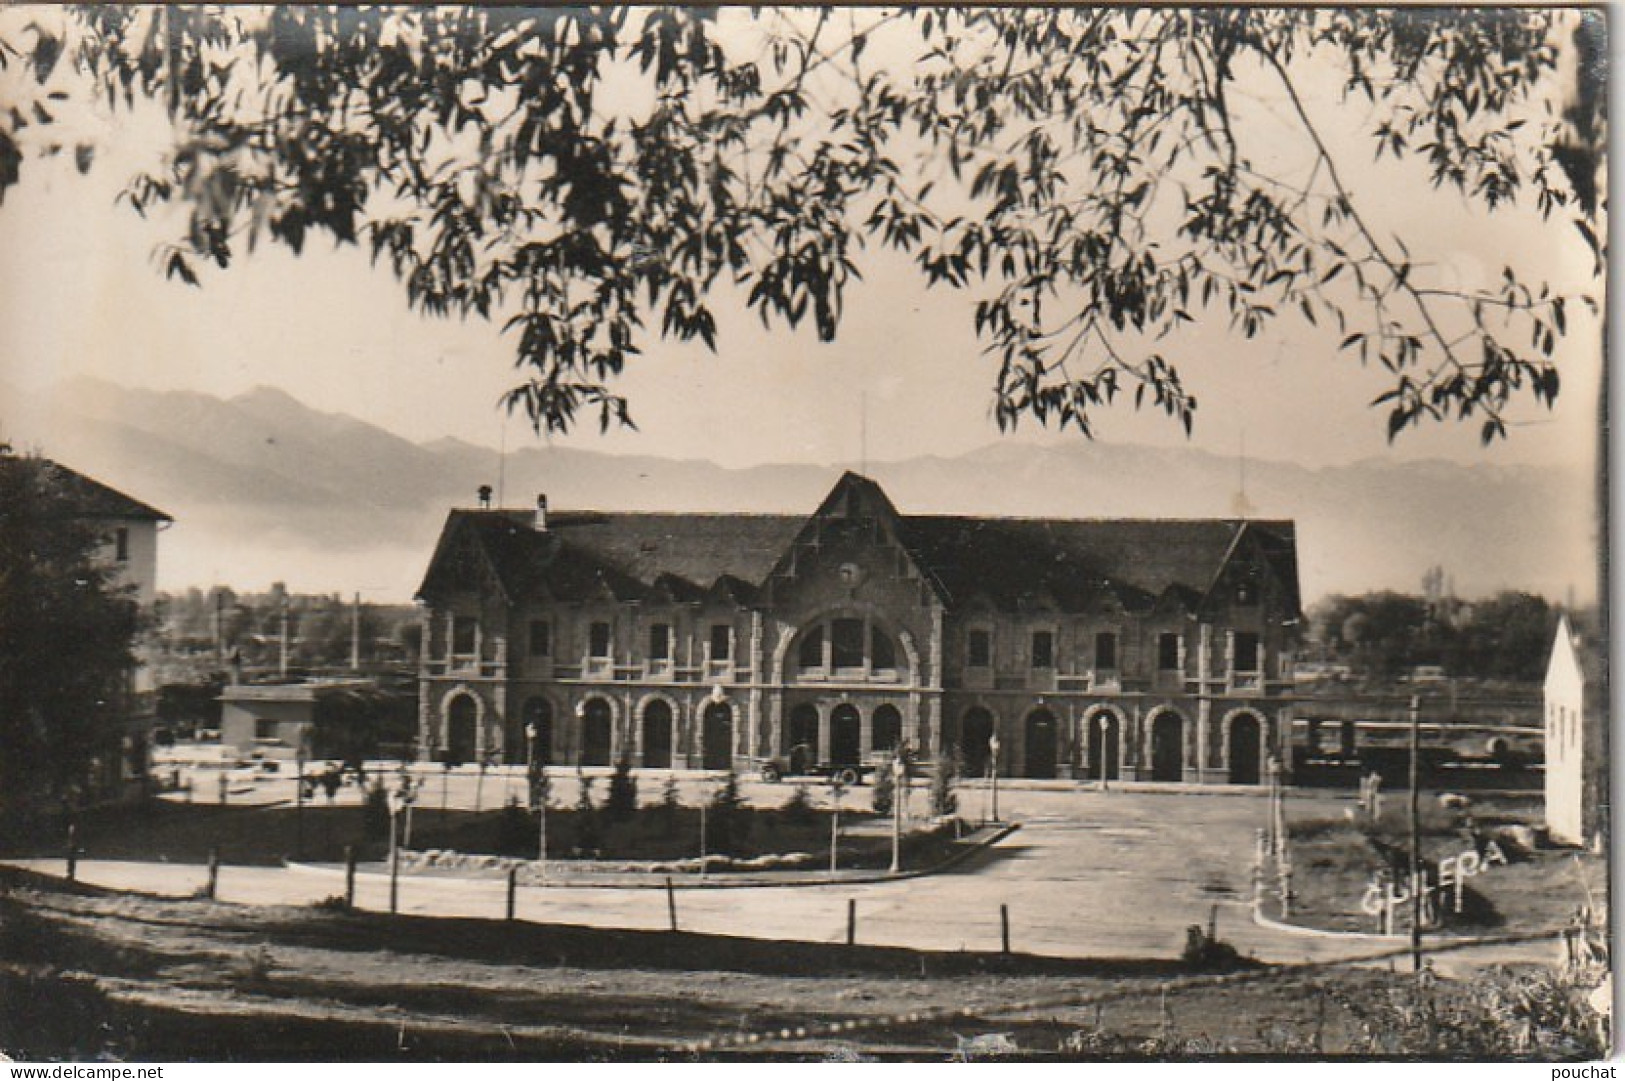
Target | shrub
(727,826)
(588,837)
(375,812)
(516,830)
(884,793)
(670,803)
(798,809)
(944,800)
(622,802)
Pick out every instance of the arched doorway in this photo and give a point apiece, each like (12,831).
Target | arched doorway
(1104,742)
(1245,749)
(976,728)
(1168,747)
(1040,744)
(845,736)
(657,718)
(460,730)
(537,712)
(718,736)
(596,725)
(802,738)
(887,727)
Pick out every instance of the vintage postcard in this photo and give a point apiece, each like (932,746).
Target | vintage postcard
(658,534)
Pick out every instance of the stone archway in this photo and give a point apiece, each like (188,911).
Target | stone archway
(976,727)
(1244,748)
(1103,735)
(716,736)
(845,735)
(597,732)
(537,712)
(1168,746)
(1041,744)
(658,721)
(461,721)
(886,728)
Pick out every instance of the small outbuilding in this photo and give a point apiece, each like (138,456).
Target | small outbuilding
(1576,712)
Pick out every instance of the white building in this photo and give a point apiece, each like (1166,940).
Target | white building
(1576,710)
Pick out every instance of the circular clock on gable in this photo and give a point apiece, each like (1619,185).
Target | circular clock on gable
(851,574)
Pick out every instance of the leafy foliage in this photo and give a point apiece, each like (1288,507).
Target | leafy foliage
(65,636)
(883,793)
(589,837)
(728,824)
(944,779)
(1507,636)
(622,801)
(1095,178)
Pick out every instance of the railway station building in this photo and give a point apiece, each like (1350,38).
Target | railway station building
(1100,649)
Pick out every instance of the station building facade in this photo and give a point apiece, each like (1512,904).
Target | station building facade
(1101,649)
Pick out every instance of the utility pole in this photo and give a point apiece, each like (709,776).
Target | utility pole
(282,641)
(1416,835)
(355,634)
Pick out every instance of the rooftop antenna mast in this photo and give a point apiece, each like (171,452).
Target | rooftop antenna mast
(1239,506)
(863,433)
(502,457)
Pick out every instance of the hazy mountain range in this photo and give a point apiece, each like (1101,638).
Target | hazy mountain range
(264,488)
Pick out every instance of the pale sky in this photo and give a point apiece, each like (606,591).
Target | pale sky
(83,295)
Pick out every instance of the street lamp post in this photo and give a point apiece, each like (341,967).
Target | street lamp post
(538,794)
(299,799)
(396,800)
(993,769)
(1416,835)
(899,780)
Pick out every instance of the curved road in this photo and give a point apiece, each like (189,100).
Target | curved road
(1089,874)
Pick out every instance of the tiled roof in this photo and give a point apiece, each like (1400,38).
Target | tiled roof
(84,497)
(1072,563)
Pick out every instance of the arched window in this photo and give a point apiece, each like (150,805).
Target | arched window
(882,653)
(888,728)
(847,647)
(811,653)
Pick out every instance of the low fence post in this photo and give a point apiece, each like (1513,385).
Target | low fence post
(1004,926)
(73,852)
(851,921)
(513,888)
(212,889)
(349,876)
(671,904)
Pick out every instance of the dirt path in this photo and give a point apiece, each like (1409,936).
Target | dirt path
(86,972)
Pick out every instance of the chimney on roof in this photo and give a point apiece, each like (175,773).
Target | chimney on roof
(485,497)
(541,513)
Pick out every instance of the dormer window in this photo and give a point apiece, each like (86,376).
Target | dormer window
(121,544)
(1106,651)
(541,638)
(1246,652)
(463,632)
(598,641)
(979,648)
(660,642)
(722,637)
(1043,655)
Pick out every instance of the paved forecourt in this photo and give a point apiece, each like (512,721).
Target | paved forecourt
(1089,874)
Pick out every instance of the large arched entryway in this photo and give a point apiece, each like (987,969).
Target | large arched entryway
(718,736)
(1040,744)
(596,734)
(1104,741)
(976,728)
(538,713)
(1245,749)
(801,738)
(845,736)
(460,729)
(657,718)
(887,728)
(1168,747)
